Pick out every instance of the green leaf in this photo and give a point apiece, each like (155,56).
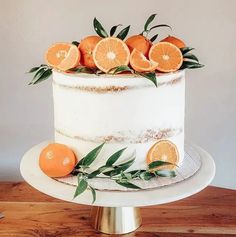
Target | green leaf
(93,191)
(191,65)
(82,70)
(39,72)
(34,69)
(146,175)
(123,33)
(122,167)
(185,50)
(90,157)
(165,173)
(114,157)
(122,68)
(150,75)
(97,172)
(149,20)
(81,187)
(154,38)
(125,176)
(136,173)
(158,163)
(160,25)
(119,69)
(76,43)
(127,184)
(43,75)
(113,29)
(191,56)
(99,28)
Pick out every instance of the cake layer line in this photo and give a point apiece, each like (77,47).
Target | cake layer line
(111,88)
(132,137)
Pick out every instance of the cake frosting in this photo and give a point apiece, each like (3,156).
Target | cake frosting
(121,110)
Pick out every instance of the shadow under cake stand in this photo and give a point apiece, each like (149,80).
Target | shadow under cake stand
(117,212)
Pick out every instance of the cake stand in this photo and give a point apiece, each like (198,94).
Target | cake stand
(117,212)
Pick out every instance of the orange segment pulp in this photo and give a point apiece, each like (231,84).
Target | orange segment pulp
(168,57)
(110,53)
(57,160)
(62,56)
(164,150)
(140,63)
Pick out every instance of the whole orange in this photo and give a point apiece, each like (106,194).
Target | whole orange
(57,160)
(174,40)
(140,43)
(86,48)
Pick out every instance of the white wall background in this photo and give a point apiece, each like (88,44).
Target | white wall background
(28,27)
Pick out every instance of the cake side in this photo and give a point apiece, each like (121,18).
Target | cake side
(123,111)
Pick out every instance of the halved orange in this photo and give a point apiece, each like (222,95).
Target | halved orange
(63,56)
(57,160)
(163,150)
(168,56)
(140,63)
(109,53)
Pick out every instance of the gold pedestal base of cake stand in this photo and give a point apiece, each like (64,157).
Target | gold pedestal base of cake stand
(115,220)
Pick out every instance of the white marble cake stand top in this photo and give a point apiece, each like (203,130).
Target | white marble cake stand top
(35,177)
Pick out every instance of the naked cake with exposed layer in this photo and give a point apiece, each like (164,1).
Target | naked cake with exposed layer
(119,107)
(123,111)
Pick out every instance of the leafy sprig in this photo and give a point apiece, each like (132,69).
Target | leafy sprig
(147,29)
(116,171)
(190,60)
(41,73)
(103,33)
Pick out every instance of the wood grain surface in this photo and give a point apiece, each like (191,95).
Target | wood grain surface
(28,212)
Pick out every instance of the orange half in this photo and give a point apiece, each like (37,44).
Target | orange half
(164,150)
(140,63)
(63,56)
(109,53)
(167,56)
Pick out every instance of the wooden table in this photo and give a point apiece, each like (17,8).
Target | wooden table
(29,213)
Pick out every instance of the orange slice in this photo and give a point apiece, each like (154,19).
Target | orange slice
(140,63)
(57,160)
(63,56)
(110,53)
(168,57)
(164,150)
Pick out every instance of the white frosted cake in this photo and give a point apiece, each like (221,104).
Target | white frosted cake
(119,105)
(122,111)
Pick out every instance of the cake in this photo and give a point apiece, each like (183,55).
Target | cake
(119,107)
(122,111)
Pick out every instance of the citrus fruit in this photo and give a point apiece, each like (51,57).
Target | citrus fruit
(86,48)
(109,53)
(140,63)
(63,56)
(168,57)
(57,160)
(140,43)
(174,40)
(163,150)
